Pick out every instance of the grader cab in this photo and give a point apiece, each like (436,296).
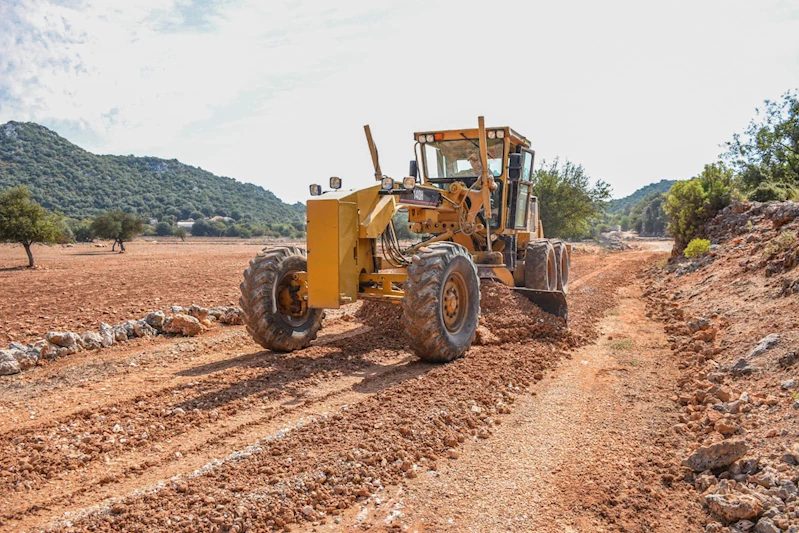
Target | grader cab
(468,197)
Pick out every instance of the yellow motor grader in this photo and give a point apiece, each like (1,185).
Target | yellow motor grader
(468,196)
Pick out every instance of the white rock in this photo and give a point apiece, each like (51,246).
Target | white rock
(63,339)
(8,364)
(142,329)
(763,345)
(92,340)
(107,336)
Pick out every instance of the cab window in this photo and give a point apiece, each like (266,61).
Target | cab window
(522,200)
(527,167)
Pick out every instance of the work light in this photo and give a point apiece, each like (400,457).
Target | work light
(335,183)
(387,184)
(500,134)
(409,182)
(430,137)
(422,138)
(316,190)
(492,134)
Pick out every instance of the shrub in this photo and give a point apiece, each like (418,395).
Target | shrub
(689,204)
(162,229)
(771,192)
(685,207)
(696,248)
(781,243)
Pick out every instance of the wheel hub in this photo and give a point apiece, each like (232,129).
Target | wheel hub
(454,302)
(291,307)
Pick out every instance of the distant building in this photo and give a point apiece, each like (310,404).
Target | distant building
(223,219)
(186,224)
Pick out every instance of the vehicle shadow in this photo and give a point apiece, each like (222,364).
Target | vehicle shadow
(287,375)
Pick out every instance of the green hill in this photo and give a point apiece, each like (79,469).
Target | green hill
(624,205)
(66,178)
(642,211)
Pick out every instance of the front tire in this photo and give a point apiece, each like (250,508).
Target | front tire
(441,306)
(275,316)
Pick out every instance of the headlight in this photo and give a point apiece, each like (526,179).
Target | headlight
(422,138)
(430,137)
(335,183)
(316,190)
(500,134)
(409,182)
(387,184)
(492,134)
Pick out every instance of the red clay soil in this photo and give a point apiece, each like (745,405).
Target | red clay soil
(214,434)
(78,287)
(733,323)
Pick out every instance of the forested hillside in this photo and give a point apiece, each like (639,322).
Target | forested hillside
(624,205)
(66,178)
(642,211)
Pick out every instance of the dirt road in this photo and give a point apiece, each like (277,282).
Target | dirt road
(547,431)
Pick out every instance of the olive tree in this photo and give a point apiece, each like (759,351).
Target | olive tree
(118,226)
(24,221)
(569,199)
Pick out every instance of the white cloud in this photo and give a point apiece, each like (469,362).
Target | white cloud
(277,92)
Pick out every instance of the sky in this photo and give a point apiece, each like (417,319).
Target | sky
(276,93)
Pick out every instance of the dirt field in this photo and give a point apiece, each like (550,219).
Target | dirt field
(76,288)
(537,429)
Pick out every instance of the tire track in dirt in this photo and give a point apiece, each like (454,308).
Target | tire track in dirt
(611,475)
(201,445)
(330,463)
(68,451)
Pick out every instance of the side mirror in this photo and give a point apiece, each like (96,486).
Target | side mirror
(515,166)
(414,169)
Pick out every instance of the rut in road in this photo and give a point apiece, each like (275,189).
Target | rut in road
(330,463)
(93,453)
(589,451)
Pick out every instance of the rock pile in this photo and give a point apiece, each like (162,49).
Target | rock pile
(764,236)
(742,487)
(613,242)
(746,484)
(738,394)
(182,321)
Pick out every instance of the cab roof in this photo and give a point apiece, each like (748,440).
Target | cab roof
(472,133)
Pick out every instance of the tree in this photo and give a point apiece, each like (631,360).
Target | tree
(118,226)
(567,199)
(180,233)
(768,150)
(689,204)
(162,229)
(81,229)
(653,218)
(24,221)
(717,182)
(687,211)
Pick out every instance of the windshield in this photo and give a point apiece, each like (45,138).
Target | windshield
(461,158)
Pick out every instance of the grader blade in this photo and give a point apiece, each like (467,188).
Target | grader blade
(553,302)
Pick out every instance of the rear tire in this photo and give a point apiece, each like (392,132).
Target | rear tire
(441,306)
(540,266)
(270,323)
(564,262)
